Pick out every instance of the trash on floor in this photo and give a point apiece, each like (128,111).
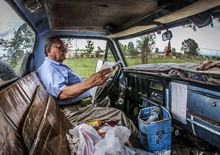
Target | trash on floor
(114,142)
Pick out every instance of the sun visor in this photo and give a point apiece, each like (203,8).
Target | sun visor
(201,20)
(193,9)
(131,31)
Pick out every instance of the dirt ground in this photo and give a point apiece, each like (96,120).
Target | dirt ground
(186,145)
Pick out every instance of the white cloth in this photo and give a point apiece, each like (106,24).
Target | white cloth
(179,101)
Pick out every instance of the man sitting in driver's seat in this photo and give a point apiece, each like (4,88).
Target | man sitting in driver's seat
(68,89)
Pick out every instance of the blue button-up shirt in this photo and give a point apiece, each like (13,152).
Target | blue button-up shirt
(55,76)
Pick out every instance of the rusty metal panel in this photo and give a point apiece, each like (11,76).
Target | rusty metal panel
(94,15)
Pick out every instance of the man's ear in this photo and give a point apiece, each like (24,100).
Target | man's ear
(48,50)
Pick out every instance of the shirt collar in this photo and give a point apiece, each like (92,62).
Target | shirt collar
(52,61)
(55,62)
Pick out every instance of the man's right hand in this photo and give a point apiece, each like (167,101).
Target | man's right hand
(75,90)
(99,78)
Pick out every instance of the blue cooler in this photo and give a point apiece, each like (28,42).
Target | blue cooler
(155,136)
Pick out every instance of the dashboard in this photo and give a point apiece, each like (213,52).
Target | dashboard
(143,90)
(146,86)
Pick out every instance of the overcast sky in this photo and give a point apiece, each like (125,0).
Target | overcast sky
(9,19)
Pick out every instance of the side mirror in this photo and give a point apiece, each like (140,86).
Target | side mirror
(167,35)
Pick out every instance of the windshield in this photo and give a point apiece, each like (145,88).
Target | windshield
(189,44)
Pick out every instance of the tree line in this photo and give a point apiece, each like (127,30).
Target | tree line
(21,42)
(88,51)
(145,46)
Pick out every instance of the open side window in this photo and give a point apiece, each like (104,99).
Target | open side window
(16,42)
(108,60)
(84,54)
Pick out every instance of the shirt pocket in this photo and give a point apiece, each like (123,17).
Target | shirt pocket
(73,78)
(64,73)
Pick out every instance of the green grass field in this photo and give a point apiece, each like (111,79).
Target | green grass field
(86,66)
(82,66)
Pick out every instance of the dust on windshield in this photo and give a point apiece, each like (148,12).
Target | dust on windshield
(188,45)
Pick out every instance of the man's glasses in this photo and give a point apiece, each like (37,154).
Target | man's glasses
(62,48)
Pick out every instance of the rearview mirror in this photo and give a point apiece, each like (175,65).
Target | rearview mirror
(167,35)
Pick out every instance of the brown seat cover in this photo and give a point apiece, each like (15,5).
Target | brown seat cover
(10,141)
(35,122)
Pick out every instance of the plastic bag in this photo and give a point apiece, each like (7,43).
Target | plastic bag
(113,142)
(154,115)
(88,137)
(135,151)
(121,132)
(73,143)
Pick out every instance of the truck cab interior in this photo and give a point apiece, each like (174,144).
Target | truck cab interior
(167,54)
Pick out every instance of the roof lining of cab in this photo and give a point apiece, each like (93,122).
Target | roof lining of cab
(110,16)
(89,10)
(159,12)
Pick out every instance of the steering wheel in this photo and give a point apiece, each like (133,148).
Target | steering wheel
(102,91)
